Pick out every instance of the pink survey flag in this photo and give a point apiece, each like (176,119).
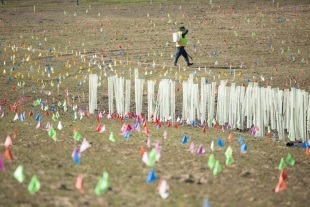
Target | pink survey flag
(124,129)
(48,126)
(162,188)
(191,148)
(200,150)
(100,115)
(8,141)
(84,146)
(165,134)
(145,158)
(38,125)
(15,117)
(157,146)
(157,150)
(102,129)
(148,142)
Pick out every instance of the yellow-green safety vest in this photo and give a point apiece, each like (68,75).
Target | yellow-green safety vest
(183,41)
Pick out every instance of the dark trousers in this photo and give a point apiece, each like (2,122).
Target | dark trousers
(181,51)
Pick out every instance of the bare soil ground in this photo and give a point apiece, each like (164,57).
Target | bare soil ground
(52,46)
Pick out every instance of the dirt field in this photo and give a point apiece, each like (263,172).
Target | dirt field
(47,50)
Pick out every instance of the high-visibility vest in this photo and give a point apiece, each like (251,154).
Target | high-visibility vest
(183,41)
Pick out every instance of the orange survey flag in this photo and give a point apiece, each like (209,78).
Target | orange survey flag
(169,124)
(281,184)
(204,129)
(15,133)
(230,136)
(8,153)
(176,125)
(79,184)
(144,123)
(142,150)
(146,130)
(99,127)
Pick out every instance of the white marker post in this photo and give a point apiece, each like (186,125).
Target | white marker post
(138,92)
(203,100)
(220,103)
(184,100)
(190,100)
(162,103)
(308,118)
(248,106)
(127,96)
(119,95)
(110,93)
(150,100)
(172,101)
(93,84)
(232,106)
(292,125)
(211,88)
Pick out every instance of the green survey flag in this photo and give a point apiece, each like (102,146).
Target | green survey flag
(290,160)
(34,185)
(111,137)
(282,164)
(152,158)
(54,117)
(77,136)
(229,160)
(217,168)
(51,132)
(57,115)
(228,152)
(211,161)
(54,137)
(103,184)
(19,174)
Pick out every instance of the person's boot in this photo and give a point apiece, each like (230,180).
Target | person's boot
(189,64)
(175,62)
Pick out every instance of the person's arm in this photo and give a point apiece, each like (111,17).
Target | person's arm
(184,32)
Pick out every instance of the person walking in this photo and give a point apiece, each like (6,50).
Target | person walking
(181,47)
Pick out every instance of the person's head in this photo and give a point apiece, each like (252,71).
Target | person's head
(182,28)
